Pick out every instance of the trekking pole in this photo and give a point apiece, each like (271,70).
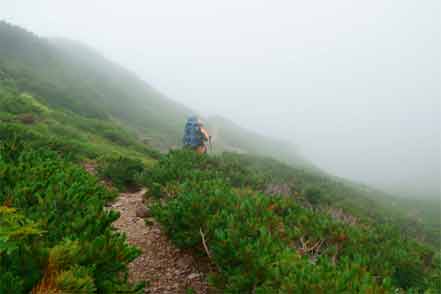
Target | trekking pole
(211,146)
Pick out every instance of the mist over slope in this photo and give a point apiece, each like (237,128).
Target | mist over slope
(92,86)
(229,136)
(96,95)
(66,74)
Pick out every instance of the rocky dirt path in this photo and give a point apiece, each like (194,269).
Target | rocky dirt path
(167,269)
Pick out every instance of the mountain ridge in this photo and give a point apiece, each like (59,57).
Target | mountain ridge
(101,102)
(144,109)
(267,221)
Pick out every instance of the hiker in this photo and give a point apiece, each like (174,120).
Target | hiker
(195,135)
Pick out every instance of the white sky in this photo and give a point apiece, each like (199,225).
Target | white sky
(356,84)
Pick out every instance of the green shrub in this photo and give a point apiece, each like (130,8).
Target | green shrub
(181,165)
(11,149)
(116,137)
(313,195)
(66,233)
(264,244)
(249,241)
(76,280)
(123,172)
(11,135)
(15,231)
(18,104)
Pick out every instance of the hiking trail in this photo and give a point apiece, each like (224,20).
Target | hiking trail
(168,269)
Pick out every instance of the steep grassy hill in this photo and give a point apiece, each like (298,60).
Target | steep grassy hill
(69,76)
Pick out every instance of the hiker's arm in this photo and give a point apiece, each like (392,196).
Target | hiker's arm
(205,133)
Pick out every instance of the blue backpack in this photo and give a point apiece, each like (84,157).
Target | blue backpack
(192,133)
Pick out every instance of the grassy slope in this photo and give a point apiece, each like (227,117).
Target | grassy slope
(66,74)
(80,98)
(69,76)
(264,244)
(82,136)
(419,219)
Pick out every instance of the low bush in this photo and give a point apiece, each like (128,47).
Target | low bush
(123,172)
(18,104)
(68,149)
(180,165)
(313,195)
(264,244)
(55,235)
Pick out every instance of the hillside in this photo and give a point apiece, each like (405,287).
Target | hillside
(92,86)
(64,90)
(283,240)
(70,92)
(88,84)
(272,221)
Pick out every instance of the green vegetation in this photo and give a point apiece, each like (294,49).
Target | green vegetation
(417,219)
(67,93)
(123,172)
(54,233)
(62,104)
(86,137)
(66,75)
(265,244)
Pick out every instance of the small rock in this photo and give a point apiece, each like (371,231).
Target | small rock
(193,276)
(142,212)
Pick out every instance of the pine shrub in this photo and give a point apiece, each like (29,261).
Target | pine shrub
(264,244)
(54,233)
(122,171)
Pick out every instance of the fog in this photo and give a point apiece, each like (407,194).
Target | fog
(355,84)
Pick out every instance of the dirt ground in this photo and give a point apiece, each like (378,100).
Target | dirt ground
(166,268)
